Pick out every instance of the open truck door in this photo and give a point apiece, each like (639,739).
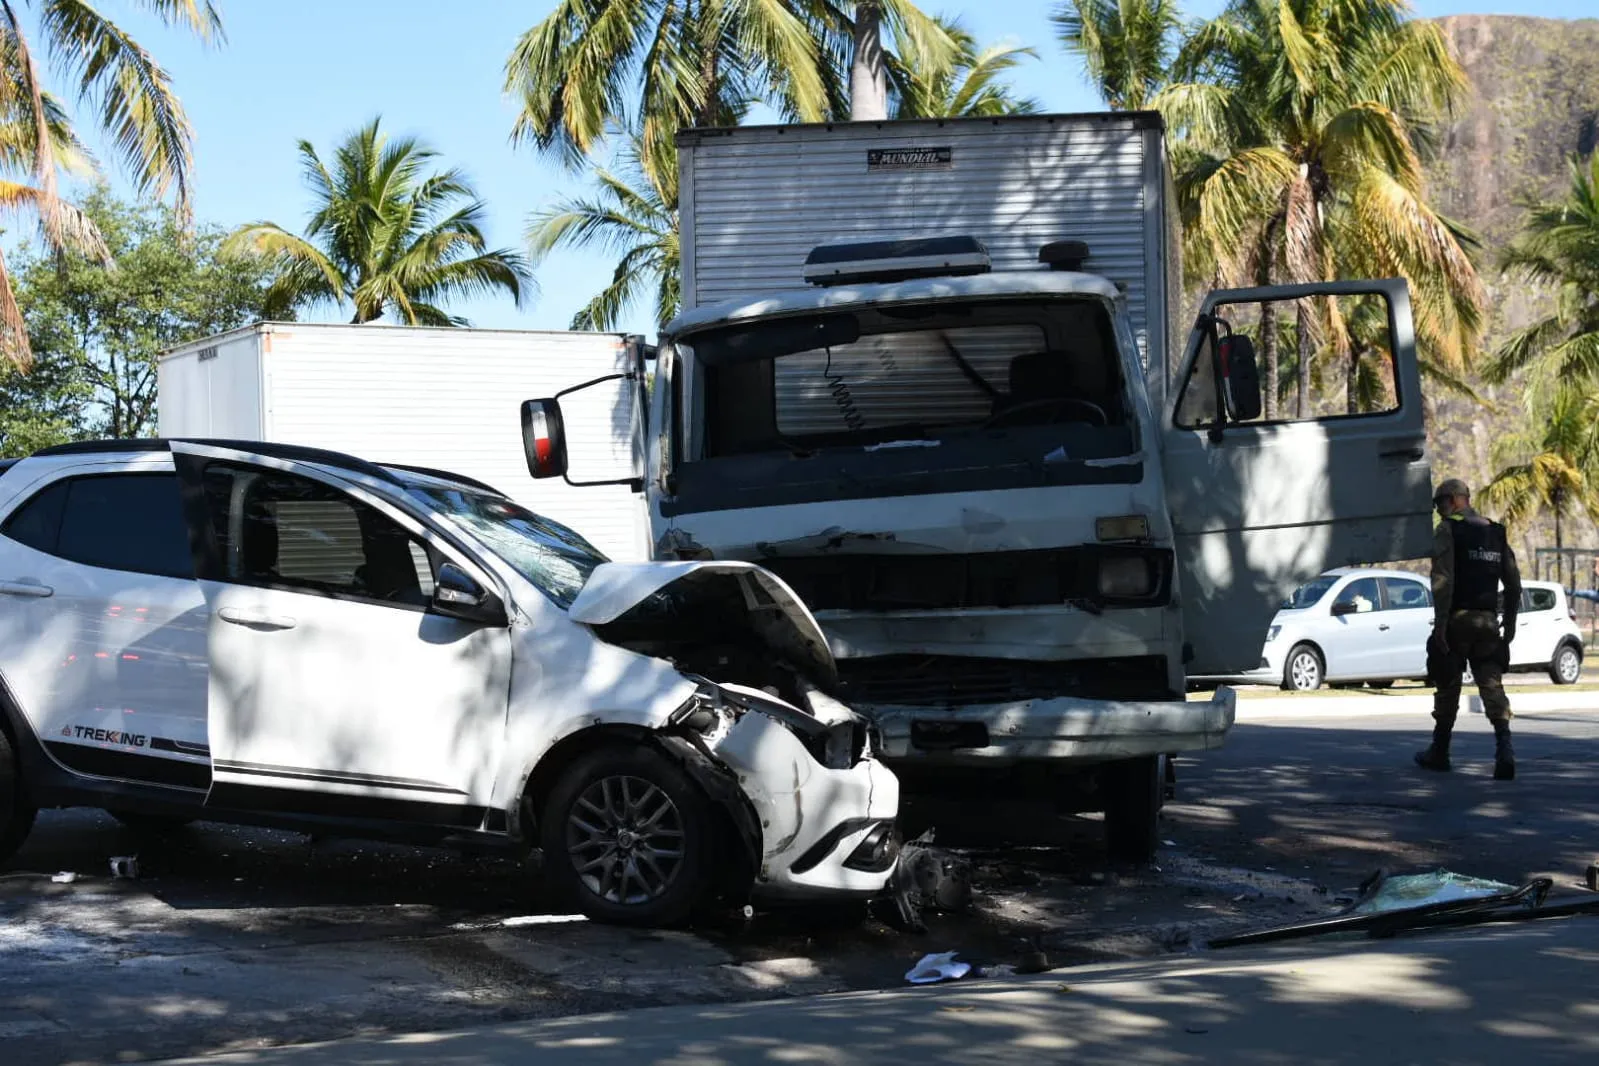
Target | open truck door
(1264,496)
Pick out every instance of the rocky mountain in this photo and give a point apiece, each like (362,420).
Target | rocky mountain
(1534,101)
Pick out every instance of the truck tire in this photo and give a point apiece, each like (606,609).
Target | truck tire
(1132,789)
(629,838)
(16,813)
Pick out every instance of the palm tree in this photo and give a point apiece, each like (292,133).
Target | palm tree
(385,237)
(1559,247)
(1553,466)
(970,87)
(634,214)
(855,30)
(695,62)
(1303,124)
(1127,45)
(134,103)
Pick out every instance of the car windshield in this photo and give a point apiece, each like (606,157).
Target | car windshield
(1308,595)
(548,554)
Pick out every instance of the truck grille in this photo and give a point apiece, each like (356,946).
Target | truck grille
(955,681)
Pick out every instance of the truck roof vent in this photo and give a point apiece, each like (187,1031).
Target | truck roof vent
(1063,255)
(926,257)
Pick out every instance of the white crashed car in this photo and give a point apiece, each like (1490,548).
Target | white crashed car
(273,635)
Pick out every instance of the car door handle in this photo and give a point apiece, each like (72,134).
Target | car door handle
(1383,628)
(26,588)
(255,619)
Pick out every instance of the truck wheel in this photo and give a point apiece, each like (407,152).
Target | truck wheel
(628,838)
(1132,789)
(1304,671)
(1566,667)
(16,813)
(149,823)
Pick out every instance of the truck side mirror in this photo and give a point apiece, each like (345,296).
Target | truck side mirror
(544,438)
(1242,377)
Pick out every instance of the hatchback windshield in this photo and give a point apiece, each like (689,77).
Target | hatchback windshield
(1308,595)
(548,554)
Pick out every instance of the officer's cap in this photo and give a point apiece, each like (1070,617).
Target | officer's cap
(1452,487)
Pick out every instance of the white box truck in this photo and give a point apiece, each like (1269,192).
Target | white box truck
(442,398)
(922,375)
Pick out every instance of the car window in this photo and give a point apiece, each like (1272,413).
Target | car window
(1362,593)
(1539,599)
(130,522)
(1309,595)
(282,530)
(1406,595)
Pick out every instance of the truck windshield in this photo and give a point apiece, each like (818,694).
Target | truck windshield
(547,553)
(912,373)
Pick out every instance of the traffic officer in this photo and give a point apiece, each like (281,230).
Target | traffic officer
(1471,558)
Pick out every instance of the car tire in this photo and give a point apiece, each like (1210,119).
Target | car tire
(1133,789)
(1303,670)
(16,813)
(140,822)
(638,800)
(1566,667)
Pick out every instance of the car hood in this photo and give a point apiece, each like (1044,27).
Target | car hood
(625,592)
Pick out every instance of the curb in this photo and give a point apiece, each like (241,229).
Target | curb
(1303,710)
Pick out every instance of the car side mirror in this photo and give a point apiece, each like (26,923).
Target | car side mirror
(1346,607)
(544,438)
(457,595)
(1241,375)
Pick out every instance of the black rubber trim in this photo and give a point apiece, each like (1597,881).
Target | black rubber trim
(151,769)
(828,843)
(288,801)
(180,747)
(295,453)
(446,475)
(335,777)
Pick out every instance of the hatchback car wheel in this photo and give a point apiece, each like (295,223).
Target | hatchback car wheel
(16,813)
(1304,671)
(627,838)
(1566,667)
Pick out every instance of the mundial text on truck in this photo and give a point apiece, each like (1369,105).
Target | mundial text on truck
(933,375)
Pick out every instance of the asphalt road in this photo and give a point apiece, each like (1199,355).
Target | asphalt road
(235,938)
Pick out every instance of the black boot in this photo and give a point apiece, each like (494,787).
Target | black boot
(1504,754)
(1436,757)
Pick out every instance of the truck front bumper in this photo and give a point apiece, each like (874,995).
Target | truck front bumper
(1078,730)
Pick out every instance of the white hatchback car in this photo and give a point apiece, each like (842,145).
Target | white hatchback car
(274,635)
(1363,625)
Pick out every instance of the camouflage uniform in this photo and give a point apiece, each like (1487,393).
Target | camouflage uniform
(1471,559)
(1472,635)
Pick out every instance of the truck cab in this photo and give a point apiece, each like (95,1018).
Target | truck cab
(1018,532)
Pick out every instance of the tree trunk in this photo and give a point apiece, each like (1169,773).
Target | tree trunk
(1302,386)
(1560,558)
(710,79)
(1352,382)
(868,76)
(1268,351)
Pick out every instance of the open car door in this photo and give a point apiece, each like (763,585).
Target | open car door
(1268,491)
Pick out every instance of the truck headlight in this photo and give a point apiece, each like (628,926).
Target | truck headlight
(1123,576)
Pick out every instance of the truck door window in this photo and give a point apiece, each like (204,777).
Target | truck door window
(1333,357)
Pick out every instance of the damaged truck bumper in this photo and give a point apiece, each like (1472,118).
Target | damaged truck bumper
(826,830)
(1053,729)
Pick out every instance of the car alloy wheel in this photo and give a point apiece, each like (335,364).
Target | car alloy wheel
(1304,669)
(625,837)
(1567,666)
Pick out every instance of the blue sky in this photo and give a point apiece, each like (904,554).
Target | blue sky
(315,69)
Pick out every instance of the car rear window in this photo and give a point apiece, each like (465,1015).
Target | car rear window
(1540,599)
(131,522)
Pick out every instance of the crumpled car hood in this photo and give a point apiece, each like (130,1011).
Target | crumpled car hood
(618,591)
